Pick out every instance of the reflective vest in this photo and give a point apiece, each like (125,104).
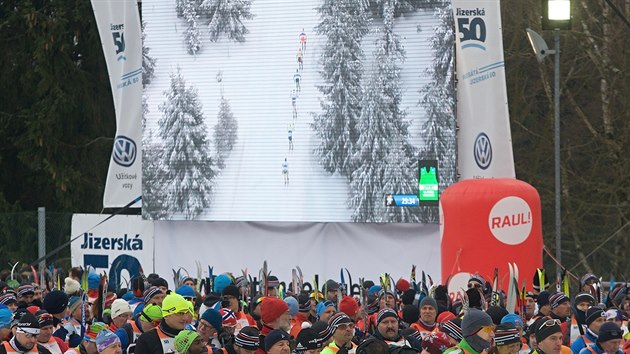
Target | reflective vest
(136,330)
(168,343)
(10,349)
(333,348)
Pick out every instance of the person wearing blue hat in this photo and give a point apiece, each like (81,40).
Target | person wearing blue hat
(5,322)
(518,324)
(325,309)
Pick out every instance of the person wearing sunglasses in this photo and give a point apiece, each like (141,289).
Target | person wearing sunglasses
(548,336)
(176,312)
(25,339)
(478,332)
(343,328)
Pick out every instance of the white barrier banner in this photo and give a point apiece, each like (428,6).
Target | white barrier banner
(484,139)
(121,246)
(366,250)
(119,28)
(125,244)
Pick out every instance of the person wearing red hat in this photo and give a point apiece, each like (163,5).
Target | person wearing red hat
(274,314)
(402,285)
(349,306)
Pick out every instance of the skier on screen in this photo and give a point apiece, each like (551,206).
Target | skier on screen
(285,171)
(302,37)
(297,78)
(300,59)
(290,129)
(294,103)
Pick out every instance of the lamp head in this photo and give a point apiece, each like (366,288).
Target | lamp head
(538,45)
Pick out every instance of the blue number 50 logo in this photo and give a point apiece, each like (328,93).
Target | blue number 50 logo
(472,30)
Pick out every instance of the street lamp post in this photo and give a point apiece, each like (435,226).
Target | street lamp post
(556,16)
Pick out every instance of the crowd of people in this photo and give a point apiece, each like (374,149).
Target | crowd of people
(228,315)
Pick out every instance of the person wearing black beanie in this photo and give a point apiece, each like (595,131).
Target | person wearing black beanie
(548,336)
(25,339)
(608,342)
(594,319)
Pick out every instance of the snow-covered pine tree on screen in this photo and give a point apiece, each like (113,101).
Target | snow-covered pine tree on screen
(226,17)
(192,37)
(384,154)
(188,182)
(344,24)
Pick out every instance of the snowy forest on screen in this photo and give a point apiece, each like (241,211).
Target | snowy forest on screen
(294,111)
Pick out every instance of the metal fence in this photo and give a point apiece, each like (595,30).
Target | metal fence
(19,240)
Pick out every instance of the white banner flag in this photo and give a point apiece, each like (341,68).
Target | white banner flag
(121,246)
(484,139)
(121,36)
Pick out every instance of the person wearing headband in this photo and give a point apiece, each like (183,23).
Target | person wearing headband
(25,339)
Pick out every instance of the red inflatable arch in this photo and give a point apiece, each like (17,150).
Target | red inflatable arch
(486,223)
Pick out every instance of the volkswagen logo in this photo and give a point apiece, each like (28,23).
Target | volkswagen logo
(483,151)
(125,151)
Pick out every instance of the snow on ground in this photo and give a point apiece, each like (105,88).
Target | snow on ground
(258,79)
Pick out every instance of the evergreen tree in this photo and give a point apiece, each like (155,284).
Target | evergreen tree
(148,62)
(438,99)
(153,182)
(344,24)
(192,37)
(180,5)
(56,114)
(189,180)
(227,18)
(384,156)
(225,131)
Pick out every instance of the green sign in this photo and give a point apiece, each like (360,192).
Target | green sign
(428,190)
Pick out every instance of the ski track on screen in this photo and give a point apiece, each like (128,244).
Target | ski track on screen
(258,79)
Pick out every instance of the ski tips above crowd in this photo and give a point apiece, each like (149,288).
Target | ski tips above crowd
(242,314)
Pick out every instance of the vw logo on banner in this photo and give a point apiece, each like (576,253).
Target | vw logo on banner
(483,151)
(125,151)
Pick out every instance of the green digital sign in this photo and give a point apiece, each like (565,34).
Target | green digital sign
(428,190)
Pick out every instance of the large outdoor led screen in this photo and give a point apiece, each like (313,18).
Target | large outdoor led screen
(310,110)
